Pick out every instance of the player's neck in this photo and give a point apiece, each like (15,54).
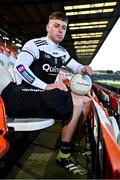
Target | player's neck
(52,42)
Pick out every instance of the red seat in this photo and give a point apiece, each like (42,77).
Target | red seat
(4,144)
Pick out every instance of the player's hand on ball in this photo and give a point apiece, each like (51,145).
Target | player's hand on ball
(86,70)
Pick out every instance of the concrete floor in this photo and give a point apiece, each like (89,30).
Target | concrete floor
(32,156)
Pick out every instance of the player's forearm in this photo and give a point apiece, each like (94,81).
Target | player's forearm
(26,74)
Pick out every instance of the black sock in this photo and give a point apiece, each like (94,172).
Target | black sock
(65,147)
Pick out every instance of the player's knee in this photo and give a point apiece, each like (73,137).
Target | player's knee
(87,103)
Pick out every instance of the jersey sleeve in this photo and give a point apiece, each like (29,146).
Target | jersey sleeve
(72,63)
(31,49)
(26,57)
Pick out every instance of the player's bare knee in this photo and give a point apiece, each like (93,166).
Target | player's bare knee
(87,103)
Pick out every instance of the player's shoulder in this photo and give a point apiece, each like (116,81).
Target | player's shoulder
(62,49)
(39,41)
(35,44)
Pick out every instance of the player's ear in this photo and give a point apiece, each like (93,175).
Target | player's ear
(47,27)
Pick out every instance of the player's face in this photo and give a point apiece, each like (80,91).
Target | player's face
(56,30)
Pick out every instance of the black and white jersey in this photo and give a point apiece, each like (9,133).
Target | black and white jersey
(40,61)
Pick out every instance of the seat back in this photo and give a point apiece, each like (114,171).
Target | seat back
(4,145)
(10,68)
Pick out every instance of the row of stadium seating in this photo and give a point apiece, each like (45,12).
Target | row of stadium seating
(104,133)
(110,100)
(7,55)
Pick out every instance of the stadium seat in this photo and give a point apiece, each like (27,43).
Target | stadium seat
(29,124)
(111,137)
(4,144)
(10,67)
(115,128)
(19,124)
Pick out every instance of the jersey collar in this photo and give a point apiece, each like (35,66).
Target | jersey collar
(51,42)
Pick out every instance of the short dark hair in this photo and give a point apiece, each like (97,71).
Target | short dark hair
(58,15)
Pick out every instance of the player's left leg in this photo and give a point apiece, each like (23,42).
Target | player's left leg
(80,130)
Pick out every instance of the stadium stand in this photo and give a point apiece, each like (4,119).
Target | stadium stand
(104,134)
